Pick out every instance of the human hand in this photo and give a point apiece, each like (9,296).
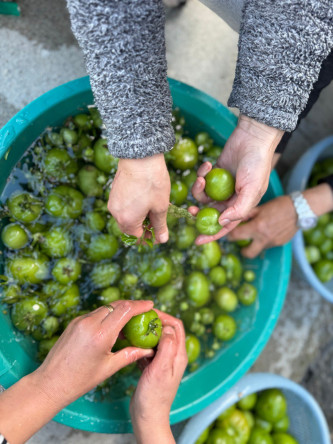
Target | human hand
(273,223)
(158,385)
(82,357)
(248,155)
(140,189)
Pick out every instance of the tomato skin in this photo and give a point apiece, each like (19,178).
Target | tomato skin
(178,193)
(102,246)
(71,298)
(144,330)
(233,268)
(208,221)
(184,155)
(206,255)
(224,327)
(324,270)
(247,294)
(260,436)
(109,295)
(66,270)
(158,271)
(57,242)
(226,299)
(95,220)
(193,348)
(103,159)
(14,236)
(58,164)
(28,313)
(220,184)
(29,269)
(91,180)
(236,426)
(271,405)
(219,436)
(283,438)
(64,201)
(282,425)
(105,274)
(24,207)
(197,288)
(218,276)
(185,237)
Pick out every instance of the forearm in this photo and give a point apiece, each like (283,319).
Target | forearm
(282,46)
(24,409)
(160,434)
(124,47)
(320,199)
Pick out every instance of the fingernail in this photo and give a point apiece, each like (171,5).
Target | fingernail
(224,222)
(168,330)
(163,238)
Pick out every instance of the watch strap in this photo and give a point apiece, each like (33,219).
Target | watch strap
(303,209)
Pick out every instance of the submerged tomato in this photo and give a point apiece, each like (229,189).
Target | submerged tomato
(14,236)
(102,158)
(66,270)
(220,184)
(24,207)
(102,246)
(64,201)
(158,272)
(28,313)
(144,330)
(193,348)
(57,242)
(59,165)
(224,327)
(197,288)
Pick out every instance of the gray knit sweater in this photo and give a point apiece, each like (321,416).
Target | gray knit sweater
(282,45)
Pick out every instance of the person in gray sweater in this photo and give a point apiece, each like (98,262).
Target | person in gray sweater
(282,45)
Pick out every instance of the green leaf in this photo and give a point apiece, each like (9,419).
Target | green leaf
(128,239)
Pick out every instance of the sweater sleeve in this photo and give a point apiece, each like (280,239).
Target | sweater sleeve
(281,47)
(124,48)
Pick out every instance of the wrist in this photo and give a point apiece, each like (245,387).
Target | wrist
(147,163)
(151,433)
(268,134)
(320,199)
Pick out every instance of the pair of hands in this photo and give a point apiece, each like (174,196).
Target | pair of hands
(141,187)
(82,358)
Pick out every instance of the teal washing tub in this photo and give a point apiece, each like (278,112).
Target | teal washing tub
(256,323)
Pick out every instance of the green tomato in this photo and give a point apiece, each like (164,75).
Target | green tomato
(54,289)
(24,207)
(102,246)
(314,236)
(106,274)
(91,181)
(203,437)
(193,348)
(206,255)
(326,165)
(53,138)
(220,184)
(249,417)
(66,270)
(70,299)
(45,346)
(102,158)
(208,221)
(247,294)
(29,269)
(70,136)
(64,201)
(218,436)
(172,220)
(248,402)
(207,315)
(11,294)
(83,121)
(224,327)
(121,344)
(113,227)
(14,236)
(328,230)
(28,313)
(178,193)
(109,295)
(226,299)
(271,405)
(242,243)
(189,177)
(204,141)
(282,425)
(197,288)
(159,272)
(185,237)
(249,275)
(184,155)
(144,330)
(128,283)
(312,254)
(323,219)
(96,117)
(236,426)
(283,438)
(233,268)
(260,436)
(38,227)
(47,329)
(58,164)
(225,414)
(213,154)
(57,242)
(95,220)
(218,276)
(263,424)
(324,270)
(326,246)
(167,294)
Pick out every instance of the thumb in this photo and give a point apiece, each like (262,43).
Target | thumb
(159,222)
(241,206)
(127,356)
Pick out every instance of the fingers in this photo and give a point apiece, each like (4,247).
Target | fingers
(166,351)
(243,231)
(241,206)
(254,249)
(123,311)
(159,222)
(193,210)
(173,322)
(198,188)
(127,356)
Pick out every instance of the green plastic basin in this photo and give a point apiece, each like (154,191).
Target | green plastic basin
(256,323)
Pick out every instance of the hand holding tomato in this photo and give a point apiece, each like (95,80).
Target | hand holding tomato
(248,155)
(158,385)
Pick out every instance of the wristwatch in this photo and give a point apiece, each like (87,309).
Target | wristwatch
(306,218)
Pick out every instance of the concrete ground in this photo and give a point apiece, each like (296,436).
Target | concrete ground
(38,52)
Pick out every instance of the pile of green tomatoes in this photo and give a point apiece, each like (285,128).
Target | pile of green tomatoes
(64,254)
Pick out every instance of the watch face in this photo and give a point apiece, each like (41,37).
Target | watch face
(307,222)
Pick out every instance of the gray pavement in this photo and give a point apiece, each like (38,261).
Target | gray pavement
(38,52)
